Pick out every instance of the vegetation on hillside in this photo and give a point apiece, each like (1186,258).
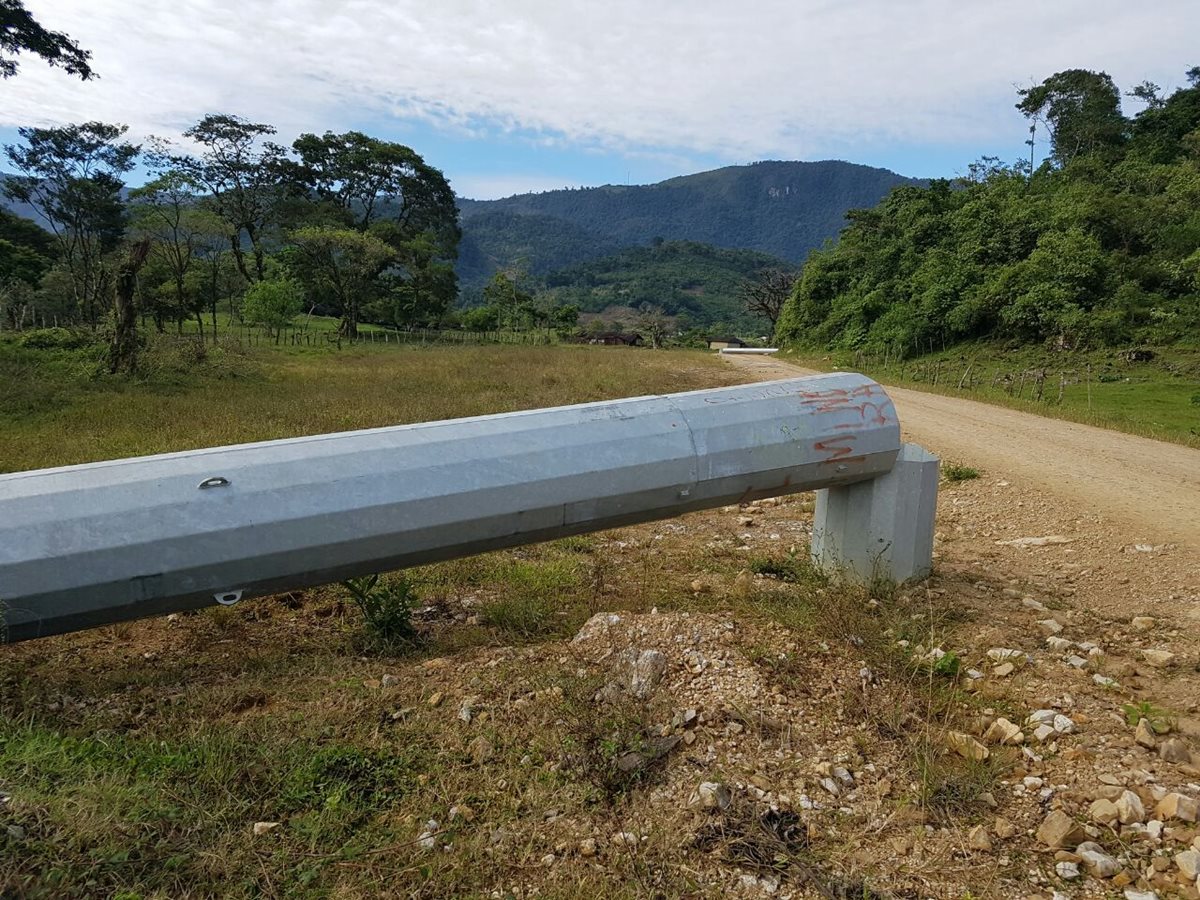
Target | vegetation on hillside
(536,244)
(698,284)
(1099,245)
(785,209)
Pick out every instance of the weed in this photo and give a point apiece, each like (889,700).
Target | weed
(956,472)
(529,596)
(1159,720)
(949,785)
(947,665)
(386,608)
(609,743)
(520,615)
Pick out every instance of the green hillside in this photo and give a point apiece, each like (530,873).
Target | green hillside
(683,278)
(536,244)
(785,209)
(1099,246)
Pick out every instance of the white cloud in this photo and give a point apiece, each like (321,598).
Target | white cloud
(757,78)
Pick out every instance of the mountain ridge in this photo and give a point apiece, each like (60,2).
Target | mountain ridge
(779,207)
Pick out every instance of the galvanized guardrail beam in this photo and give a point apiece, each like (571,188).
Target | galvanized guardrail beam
(97,543)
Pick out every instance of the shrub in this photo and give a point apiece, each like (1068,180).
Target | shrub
(386,608)
(272,304)
(57,339)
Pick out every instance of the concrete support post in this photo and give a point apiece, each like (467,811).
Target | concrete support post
(882,528)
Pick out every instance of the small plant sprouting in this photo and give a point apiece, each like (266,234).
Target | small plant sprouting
(1159,720)
(948,665)
(386,608)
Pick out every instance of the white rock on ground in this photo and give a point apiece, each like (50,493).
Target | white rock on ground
(1096,862)
(713,795)
(1002,731)
(1067,871)
(1188,863)
(1130,809)
(1104,812)
(1144,735)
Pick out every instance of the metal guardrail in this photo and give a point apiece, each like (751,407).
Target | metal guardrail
(87,545)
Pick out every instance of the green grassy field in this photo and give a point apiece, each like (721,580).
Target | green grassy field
(56,409)
(1158,398)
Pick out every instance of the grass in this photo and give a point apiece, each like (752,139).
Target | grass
(58,410)
(140,756)
(957,472)
(1153,398)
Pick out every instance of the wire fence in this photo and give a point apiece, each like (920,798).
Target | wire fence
(1037,383)
(304,337)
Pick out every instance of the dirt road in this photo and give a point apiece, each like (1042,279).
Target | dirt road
(1152,486)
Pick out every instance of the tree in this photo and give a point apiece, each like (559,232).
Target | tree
(1149,93)
(26,254)
(165,211)
(21,33)
(1082,110)
(26,251)
(512,304)
(421,284)
(122,354)
(388,189)
(272,303)
(765,294)
(239,173)
(653,324)
(72,176)
(344,265)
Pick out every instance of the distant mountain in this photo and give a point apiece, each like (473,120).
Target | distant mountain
(686,278)
(782,208)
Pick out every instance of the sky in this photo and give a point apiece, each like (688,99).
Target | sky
(509,96)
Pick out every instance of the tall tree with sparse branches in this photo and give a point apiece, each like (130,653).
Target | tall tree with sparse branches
(765,294)
(239,173)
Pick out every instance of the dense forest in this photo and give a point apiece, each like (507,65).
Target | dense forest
(785,209)
(340,224)
(1098,245)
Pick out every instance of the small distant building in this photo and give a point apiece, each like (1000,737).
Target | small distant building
(720,343)
(615,338)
